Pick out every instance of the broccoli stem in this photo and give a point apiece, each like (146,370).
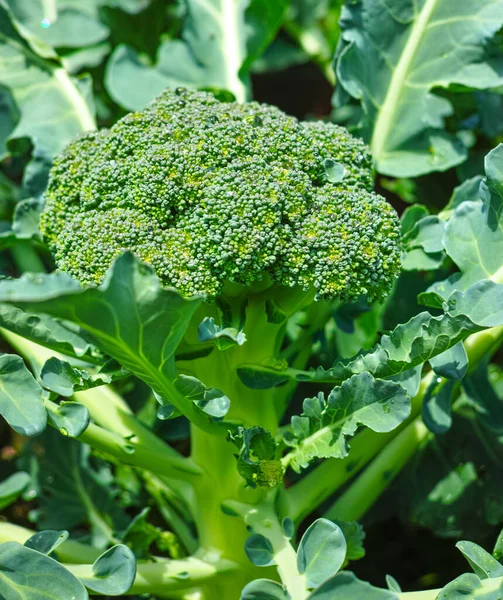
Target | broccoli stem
(263,519)
(369,486)
(215,455)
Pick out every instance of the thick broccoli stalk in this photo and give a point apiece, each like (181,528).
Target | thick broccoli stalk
(210,193)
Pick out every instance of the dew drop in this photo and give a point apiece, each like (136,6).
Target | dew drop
(63,431)
(45,23)
(439,380)
(128,449)
(387,409)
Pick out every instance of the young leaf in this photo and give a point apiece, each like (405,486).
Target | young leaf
(224,337)
(30,575)
(354,535)
(63,379)
(113,572)
(257,462)
(325,424)
(482,563)
(46,541)
(20,397)
(469,586)
(391,58)
(259,550)
(213,402)
(473,239)
(393,584)
(322,552)
(264,589)
(12,487)
(70,418)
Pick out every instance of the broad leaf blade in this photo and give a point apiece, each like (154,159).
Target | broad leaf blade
(52,110)
(131,317)
(219,42)
(20,397)
(393,54)
(30,575)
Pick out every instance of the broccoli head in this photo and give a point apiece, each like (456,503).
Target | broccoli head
(210,192)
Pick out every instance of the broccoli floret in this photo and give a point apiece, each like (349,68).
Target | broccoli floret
(210,192)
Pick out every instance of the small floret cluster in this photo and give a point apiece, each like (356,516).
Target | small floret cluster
(208,192)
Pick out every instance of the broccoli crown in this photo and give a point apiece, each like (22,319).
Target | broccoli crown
(208,192)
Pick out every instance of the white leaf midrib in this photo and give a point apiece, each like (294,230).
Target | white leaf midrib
(384,121)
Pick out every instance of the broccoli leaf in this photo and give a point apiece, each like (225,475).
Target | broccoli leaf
(113,572)
(473,237)
(321,430)
(49,332)
(257,462)
(63,379)
(220,40)
(31,575)
(345,586)
(483,564)
(81,494)
(21,402)
(392,54)
(12,487)
(131,317)
(51,109)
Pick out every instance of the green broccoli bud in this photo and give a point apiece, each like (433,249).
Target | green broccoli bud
(210,193)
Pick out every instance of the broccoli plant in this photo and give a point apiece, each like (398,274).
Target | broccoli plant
(200,246)
(215,364)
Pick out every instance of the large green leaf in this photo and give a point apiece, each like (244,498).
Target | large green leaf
(394,52)
(131,317)
(321,430)
(62,23)
(454,483)
(220,40)
(473,238)
(49,332)
(81,494)
(30,575)
(50,108)
(20,397)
